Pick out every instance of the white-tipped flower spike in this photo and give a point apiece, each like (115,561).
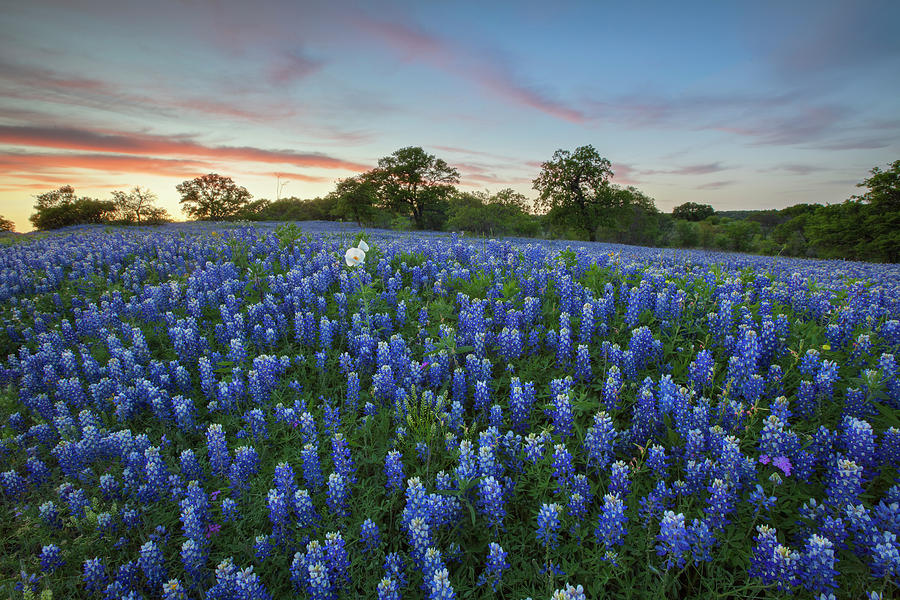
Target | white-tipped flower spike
(362,245)
(354,257)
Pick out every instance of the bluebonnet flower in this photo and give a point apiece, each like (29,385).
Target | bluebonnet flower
(393,470)
(94,575)
(563,467)
(703,540)
(51,558)
(772,562)
(307,516)
(440,588)
(599,442)
(340,457)
(152,564)
(569,592)
(548,524)
(230,512)
(760,500)
(610,530)
(720,504)
(619,482)
(492,502)
(701,369)
(50,514)
(674,540)
(816,568)
(190,469)
(369,536)
(494,566)
(336,494)
(394,568)
(262,547)
(534,446)
(612,388)
(521,399)
(388,589)
(312,468)
(844,483)
(217,447)
(561,413)
(173,590)
(185,413)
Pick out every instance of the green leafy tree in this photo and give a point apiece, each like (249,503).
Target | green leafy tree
(883,214)
(691,211)
(213,197)
(574,187)
(412,182)
(61,208)
(63,195)
(6,224)
(137,206)
(355,199)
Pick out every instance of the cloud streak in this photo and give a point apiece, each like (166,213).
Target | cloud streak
(65,138)
(489,73)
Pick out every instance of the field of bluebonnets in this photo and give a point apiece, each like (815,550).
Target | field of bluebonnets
(241,413)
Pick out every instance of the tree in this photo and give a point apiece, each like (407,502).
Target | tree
(882,222)
(411,181)
(574,186)
(6,224)
(79,212)
(355,199)
(691,211)
(65,194)
(212,197)
(61,208)
(137,206)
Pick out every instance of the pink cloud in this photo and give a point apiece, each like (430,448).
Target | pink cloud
(488,73)
(63,138)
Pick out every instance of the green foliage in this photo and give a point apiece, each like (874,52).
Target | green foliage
(289,235)
(354,199)
(212,197)
(575,187)
(412,182)
(500,214)
(61,208)
(691,211)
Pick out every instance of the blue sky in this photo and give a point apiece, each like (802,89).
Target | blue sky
(738,105)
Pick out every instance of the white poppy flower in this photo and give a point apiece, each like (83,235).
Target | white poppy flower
(354,257)
(362,245)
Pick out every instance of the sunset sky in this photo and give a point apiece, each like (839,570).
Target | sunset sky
(738,105)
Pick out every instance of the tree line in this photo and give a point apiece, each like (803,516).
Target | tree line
(412,189)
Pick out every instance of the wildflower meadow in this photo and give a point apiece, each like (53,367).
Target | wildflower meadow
(232,412)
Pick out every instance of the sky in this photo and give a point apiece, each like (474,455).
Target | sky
(740,105)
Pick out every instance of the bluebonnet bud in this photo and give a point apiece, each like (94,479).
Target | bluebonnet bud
(51,558)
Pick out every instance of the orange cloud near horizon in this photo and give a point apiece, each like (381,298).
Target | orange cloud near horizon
(119,142)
